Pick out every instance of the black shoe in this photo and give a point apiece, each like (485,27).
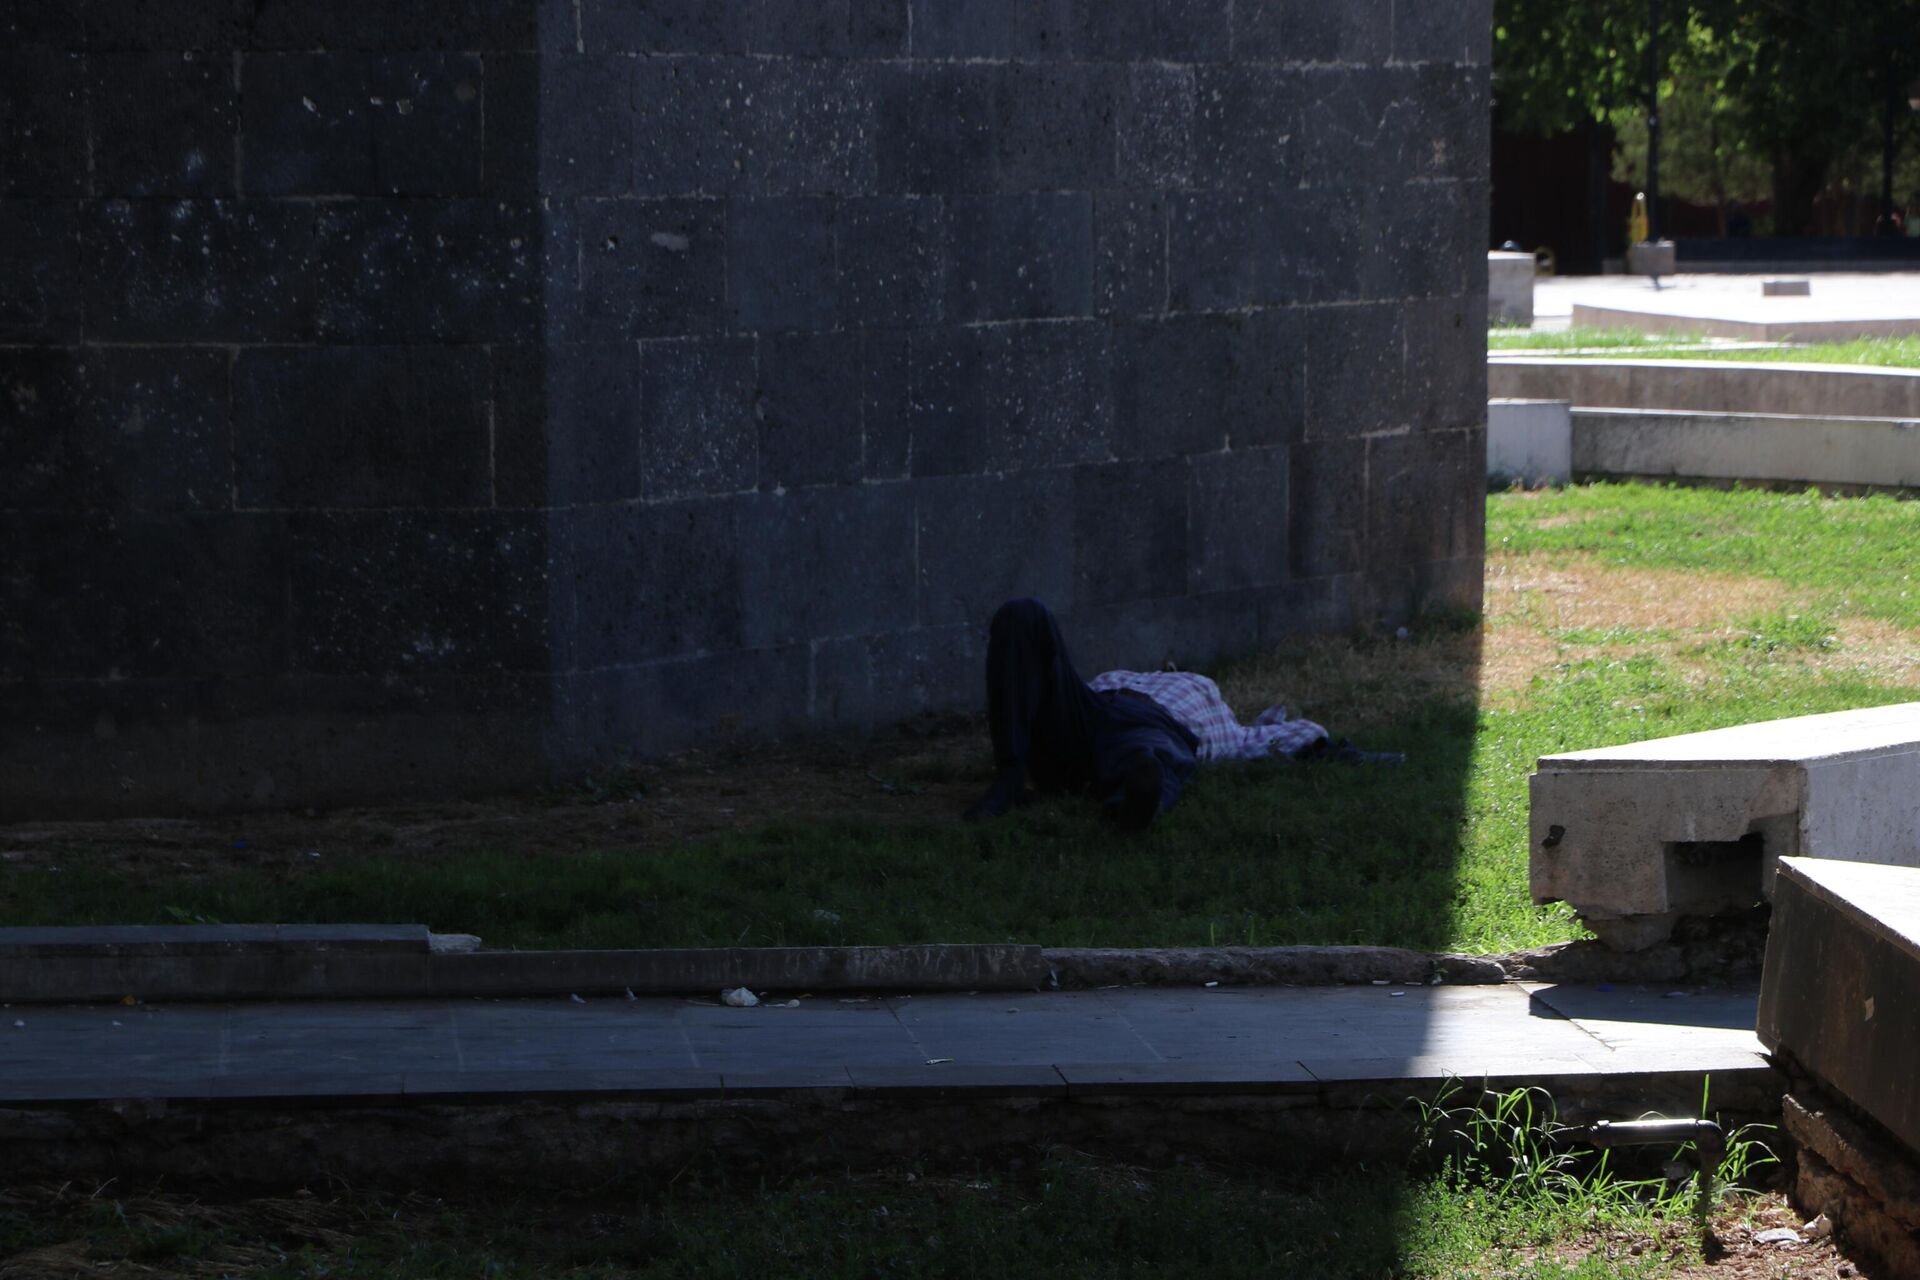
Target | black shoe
(1140,791)
(1340,751)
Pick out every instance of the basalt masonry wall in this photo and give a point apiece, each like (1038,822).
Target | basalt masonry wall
(421,396)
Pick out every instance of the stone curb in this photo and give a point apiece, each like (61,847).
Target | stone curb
(399,962)
(253,962)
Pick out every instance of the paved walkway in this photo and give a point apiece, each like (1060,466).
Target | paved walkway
(1715,294)
(1171,1039)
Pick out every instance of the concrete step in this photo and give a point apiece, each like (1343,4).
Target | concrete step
(1841,990)
(1708,386)
(1762,447)
(1633,836)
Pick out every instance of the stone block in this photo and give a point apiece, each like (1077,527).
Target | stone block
(1054,126)
(587,125)
(1355,370)
(892,253)
(1309,606)
(637,268)
(520,431)
(984,540)
(697,429)
(877,28)
(44,462)
(1266,395)
(1459,31)
(809,409)
(808,126)
(43,122)
(1443,380)
(655,581)
(936,129)
(1510,288)
(95,597)
(1247,133)
(1635,835)
(1233,249)
(510,150)
(27,24)
(781,272)
(946,402)
(164,124)
(1130,531)
(483,26)
(590,447)
(404,594)
(1129,253)
(1305,31)
(1048,393)
(1141,635)
(1157,30)
(195,271)
(1358,127)
(1841,974)
(1783,288)
(1327,507)
(1529,441)
(1154,122)
(331,427)
(993,29)
(1020,257)
(668,706)
(1239,520)
(686,127)
(664,26)
(1406,526)
(1448,123)
(1172,378)
(306,124)
(40,295)
(886,408)
(426,120)
(153,424)
(401,270)
(210,25)
(826,560)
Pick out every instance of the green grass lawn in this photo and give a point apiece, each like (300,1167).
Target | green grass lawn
(1615,612)
(1485,1214)
(1901,352)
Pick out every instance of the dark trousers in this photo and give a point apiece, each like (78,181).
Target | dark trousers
(1065,736)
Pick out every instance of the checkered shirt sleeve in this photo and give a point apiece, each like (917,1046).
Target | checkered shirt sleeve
(1195,701)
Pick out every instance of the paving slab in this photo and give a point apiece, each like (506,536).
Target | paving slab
(1200,1040)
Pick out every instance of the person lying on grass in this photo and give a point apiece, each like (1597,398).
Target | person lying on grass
(1131,738)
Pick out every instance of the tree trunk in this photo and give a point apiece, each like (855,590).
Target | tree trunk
(1797,180)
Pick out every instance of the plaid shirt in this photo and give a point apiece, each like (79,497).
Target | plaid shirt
(1195,702)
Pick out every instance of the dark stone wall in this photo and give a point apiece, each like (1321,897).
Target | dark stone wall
(429,395)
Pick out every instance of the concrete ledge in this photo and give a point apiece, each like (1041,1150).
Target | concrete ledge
(1709,386)
(1868,1186)
(1529,441)
(1636,835)
(270,962)
(1769,448)
(1840,993)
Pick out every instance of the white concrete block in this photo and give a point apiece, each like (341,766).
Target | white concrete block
(1750,446)
(1530,441)
(1635,836)
(1510,288)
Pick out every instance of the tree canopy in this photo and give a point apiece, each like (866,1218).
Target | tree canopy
(1783,86)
